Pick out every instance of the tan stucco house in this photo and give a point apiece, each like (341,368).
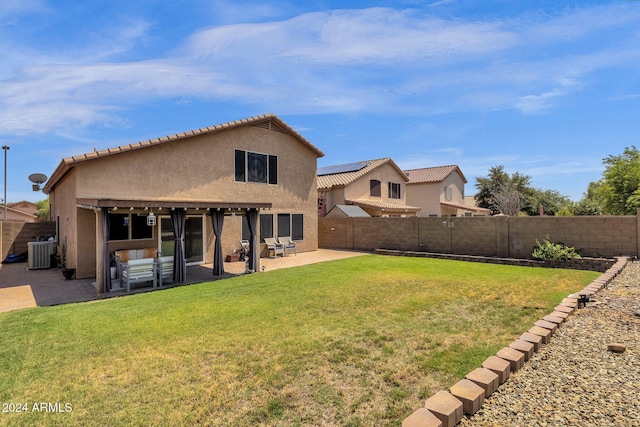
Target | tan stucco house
(377,186)
(23,211)
(439,191)
(212,187)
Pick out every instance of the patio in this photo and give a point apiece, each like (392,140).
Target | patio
(23,288)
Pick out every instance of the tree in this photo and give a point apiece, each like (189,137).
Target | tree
(498,182)
(587,206)
(592,202)
(507,199)
(552,202)
(43,210)
(619,188)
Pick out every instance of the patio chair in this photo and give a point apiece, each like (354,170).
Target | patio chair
(273,246)
(244,251)
(165,269)
(288,244)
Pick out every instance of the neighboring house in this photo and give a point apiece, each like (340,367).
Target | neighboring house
(376,186)
(471,202)
(20,212)
(24,206)
(256,176)
(439,191)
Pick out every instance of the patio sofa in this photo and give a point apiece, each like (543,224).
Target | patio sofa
(123,256)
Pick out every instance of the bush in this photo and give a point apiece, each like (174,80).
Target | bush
(556,251)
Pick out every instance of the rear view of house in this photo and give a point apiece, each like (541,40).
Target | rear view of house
(199,193)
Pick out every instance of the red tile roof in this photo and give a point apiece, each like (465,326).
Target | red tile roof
(433,174)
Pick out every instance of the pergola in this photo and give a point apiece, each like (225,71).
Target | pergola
(178,210)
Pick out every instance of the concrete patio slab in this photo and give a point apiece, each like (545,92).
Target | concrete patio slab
(24,288)
(16,298)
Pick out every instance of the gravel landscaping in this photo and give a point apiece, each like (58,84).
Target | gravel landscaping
(575,380)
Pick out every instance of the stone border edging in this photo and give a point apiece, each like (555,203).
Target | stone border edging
(447,407)
(593,264)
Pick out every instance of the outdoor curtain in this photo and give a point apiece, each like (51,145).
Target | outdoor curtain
(106,257)
(252,222)
(217,220)
(179,219)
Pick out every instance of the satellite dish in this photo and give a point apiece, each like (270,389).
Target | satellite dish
(37,178)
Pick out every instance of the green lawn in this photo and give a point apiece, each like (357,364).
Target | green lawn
(360,341)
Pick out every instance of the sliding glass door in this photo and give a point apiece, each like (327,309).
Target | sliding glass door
(193,238)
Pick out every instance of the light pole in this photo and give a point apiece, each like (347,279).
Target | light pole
(5,148)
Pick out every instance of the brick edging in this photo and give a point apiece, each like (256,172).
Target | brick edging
(446,407)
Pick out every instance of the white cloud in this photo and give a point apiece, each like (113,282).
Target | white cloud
(368,60)
(375,35)
(21,7)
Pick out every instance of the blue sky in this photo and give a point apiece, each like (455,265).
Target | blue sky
(545,88)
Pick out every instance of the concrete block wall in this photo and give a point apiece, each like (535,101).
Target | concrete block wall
(591,235)
(336,233)
(506,237)
(15,235)
(391,232)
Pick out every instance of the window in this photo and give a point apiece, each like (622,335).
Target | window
(129,227)
(448,193)
(139,227)
(245,228)
(256,167)
(297,227)
(394,190)
(374,188)
(266,226)
(284,225)
(291,225)
(118,226)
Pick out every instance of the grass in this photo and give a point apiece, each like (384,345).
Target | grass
(355,342)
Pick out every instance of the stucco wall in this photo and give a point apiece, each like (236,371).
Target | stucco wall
(64,210)
(429,195)
(360,189)
(488,236)
(195,168)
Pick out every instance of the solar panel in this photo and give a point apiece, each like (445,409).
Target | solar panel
(348,167)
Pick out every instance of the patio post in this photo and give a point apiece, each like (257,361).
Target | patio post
(179,219)
(103,258)
(217,221)
(252,222)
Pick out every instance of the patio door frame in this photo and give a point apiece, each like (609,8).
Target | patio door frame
(162,218)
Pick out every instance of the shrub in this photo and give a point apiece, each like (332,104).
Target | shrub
(556,251)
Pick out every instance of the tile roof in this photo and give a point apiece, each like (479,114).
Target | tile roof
(270,120)
(380,204)
(464,206)
(433,174)
(345,178)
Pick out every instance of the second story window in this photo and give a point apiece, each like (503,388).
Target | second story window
(394,190)
(448,193)
(256,167)
(374,188)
